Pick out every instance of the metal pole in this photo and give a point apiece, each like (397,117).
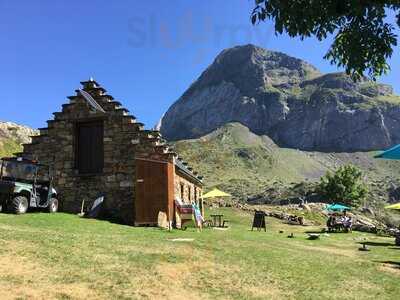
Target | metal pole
(1,171)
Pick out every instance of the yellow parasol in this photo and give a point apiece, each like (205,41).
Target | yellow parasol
(215,193)
(393,206)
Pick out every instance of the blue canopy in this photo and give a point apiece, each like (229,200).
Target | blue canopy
(337,207)
(392,153)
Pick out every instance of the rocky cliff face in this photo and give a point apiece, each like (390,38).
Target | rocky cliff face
(288,100)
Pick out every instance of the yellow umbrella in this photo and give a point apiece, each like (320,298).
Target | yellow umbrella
(215,193)
(393,206)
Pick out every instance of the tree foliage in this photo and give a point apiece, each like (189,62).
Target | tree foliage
(344,186)
(364,38)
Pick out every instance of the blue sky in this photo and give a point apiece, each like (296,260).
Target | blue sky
(145,53)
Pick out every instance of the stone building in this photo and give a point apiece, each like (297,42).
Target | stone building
(95,147)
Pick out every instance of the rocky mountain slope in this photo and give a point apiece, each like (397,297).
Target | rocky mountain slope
(251,166)
(12,136)
(288,100)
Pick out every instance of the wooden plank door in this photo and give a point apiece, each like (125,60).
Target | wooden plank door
(89,148)
(153,191)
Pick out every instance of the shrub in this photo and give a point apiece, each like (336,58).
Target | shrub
(344,186)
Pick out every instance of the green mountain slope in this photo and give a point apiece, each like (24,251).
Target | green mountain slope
(8,147)
(12,136)
(246,164)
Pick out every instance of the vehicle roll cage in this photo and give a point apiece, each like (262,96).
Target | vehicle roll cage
(21,160)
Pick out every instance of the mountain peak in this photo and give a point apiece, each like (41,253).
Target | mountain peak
(268,58)
(288,100)
(252,68)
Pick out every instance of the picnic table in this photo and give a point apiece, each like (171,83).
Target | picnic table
(339,226)
(217,217)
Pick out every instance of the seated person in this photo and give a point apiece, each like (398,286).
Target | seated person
(341,219)
(330,222)
(348,224)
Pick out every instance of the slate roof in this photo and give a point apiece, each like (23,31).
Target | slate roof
(185,169)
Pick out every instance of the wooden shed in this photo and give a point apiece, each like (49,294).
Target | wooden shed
(158,184)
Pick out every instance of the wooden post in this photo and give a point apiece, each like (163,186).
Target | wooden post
(202,204)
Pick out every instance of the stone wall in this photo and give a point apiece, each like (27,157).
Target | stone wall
(124,138)
(191,191)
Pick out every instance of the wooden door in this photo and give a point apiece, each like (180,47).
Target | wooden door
(89,148)
(154,190)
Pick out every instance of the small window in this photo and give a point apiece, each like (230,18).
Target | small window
(190,193)
(182,191)
(89,149)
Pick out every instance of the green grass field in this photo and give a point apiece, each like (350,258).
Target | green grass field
(64,257)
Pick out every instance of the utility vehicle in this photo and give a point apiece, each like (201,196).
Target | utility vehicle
(26,184)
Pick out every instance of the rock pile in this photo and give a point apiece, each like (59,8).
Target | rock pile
(294,212)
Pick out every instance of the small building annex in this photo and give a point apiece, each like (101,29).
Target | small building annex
(96,148)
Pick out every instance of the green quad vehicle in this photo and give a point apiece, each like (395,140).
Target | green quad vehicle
(26,184)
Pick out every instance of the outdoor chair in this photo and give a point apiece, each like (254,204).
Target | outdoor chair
(295,220)
(348,227)
(338,226)
(225,222)
(207,223)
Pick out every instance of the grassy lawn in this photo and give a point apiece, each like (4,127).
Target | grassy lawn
(62,256)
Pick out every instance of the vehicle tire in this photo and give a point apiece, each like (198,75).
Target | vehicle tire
(397,240)
(19,205)
(53,205)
